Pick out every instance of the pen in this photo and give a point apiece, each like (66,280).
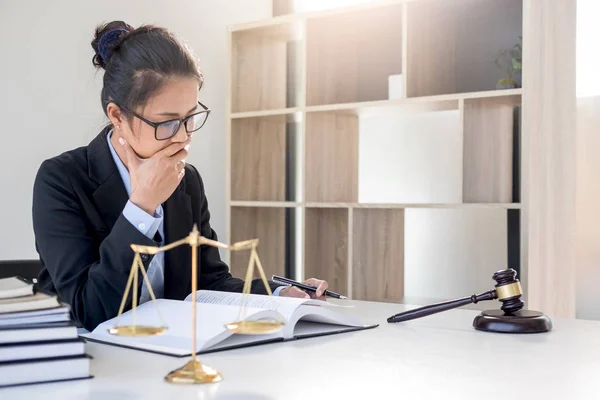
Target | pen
(289,282)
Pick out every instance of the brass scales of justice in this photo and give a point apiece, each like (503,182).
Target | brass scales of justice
(194,371)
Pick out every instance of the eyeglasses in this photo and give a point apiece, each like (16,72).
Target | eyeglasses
(167,129)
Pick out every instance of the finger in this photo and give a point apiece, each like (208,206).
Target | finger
(319,284)
(173,148)
(293,291)
(132,159)
(180,166)
(181,155)
(322,288)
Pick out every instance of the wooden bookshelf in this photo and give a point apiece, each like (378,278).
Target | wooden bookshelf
(341,73)
(281,204)
(331,157)
(267,224)
(378,254)
(395,106)
(258,154)
(326,247)
(488,149)
(292,204)
(300,87)
(456,42)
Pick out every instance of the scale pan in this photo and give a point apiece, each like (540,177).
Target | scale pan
(259,327)
(139,330)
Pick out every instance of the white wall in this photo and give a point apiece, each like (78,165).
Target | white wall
(588,57)
(50,92)
(588,163)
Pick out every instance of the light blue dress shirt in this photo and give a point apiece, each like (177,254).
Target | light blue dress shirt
(148,225)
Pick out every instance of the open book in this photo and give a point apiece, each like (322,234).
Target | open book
(302,318)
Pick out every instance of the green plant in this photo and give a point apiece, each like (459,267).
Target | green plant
(510,61)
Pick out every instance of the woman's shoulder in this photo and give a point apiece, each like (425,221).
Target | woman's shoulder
(74,162)
(65,163)
(56,180)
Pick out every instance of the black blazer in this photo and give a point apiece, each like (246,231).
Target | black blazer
(83,238)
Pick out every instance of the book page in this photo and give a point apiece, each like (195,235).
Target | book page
(37,301)
(13,287)
(38,297)
(283,305)
(210,326)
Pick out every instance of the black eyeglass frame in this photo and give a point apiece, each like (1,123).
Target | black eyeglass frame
(183,121)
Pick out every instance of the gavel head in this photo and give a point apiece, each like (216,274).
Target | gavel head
(508,290)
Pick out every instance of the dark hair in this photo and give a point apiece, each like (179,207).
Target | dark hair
(138,61)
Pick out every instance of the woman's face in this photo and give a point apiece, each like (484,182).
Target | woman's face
(178,98)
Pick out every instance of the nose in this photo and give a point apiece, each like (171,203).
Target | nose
(181,135)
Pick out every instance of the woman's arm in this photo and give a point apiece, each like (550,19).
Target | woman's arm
(88,275)
(215,273)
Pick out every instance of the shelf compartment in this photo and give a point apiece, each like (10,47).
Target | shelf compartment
(389,107)
(265,65)
(413,158)
(378,255)
(451,253)
(489,138)
(331,157)
(505,206)
(350,55)
(324,12)
(269,226)
(452,44)
(263,166)
(326,246)
(417,104)
(266,113)
(395,106)
(283,204)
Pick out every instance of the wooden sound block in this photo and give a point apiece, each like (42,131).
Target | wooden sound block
(522,321)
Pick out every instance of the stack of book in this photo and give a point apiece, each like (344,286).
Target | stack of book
(38,341)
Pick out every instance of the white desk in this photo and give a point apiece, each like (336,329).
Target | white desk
(437,357)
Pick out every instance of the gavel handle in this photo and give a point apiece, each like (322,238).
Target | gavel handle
(439,307)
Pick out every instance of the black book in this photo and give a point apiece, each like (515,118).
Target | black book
(44,370)
(50,315)
(38,332)
(46,349)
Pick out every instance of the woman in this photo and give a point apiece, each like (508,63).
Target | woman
(131,184)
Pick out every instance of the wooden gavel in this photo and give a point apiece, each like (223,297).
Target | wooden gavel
(507,290)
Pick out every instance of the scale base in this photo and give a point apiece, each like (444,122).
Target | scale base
(194,372)
(522,321)
(137,330)
(260,327)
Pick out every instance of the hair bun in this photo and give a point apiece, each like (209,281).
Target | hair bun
(108,37)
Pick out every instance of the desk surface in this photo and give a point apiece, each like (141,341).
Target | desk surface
(437,357)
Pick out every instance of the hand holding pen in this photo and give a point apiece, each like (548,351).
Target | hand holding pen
(311,288)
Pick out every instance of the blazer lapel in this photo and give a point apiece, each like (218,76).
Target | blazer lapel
(110,196)
(178,224)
